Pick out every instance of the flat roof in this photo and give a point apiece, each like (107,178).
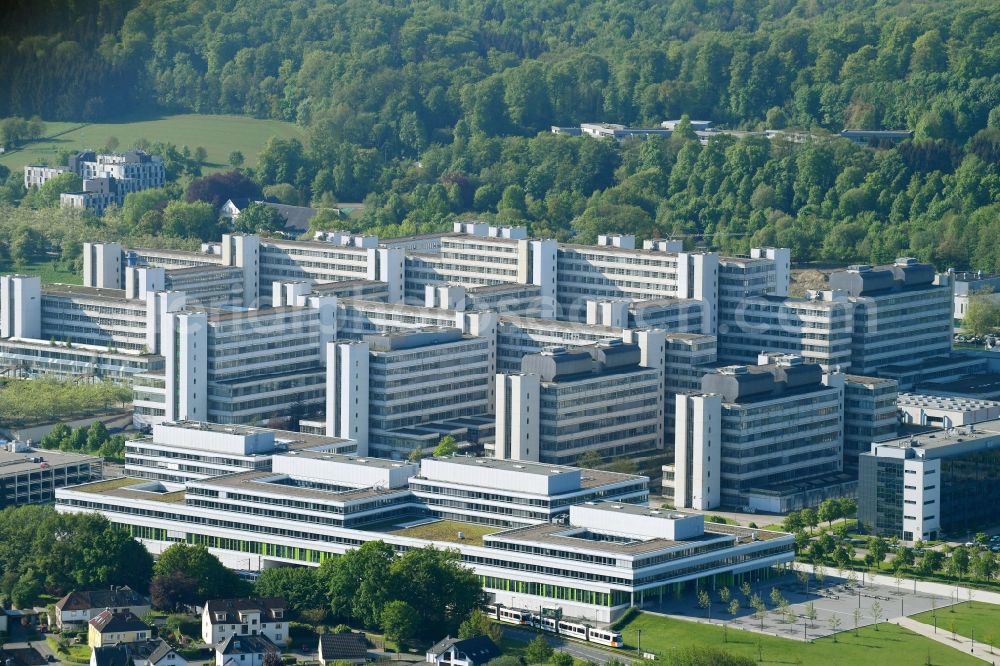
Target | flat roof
(564,326)
(500,288)
(360,461)
(984,384)
(59,289)
(931,363)
(191,254)
(77,347)
(129,488)
(214,315)
(16,463)
(944,401)
(202,268)
(938,438)
(315,244)
(589,478)
(293,440)
(443,530)
(562,535)
(256,481)
(872,381)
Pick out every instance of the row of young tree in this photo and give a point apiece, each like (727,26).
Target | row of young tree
(45,400)
(828,511)
(960,563)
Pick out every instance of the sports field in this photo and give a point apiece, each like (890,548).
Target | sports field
(219,135)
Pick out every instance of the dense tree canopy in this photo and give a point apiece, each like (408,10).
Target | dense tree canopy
(367,582)
(214,581)
(431,110)
(44,552)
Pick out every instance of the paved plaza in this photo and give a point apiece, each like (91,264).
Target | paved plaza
(832,596)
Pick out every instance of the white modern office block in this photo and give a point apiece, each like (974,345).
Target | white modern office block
(817,328)
(185,349)
(102,265)
(663,244)
(356,471)
(529,478)
(698,452)
(20,306)
(698,278)
(902,314)
(93,316)
(776,425)
(544,264)
(445,296)
(347,392)
(637,520)
(234,440)
(518,417)
(159,305)
(244,251)
(289,292)
(388,265)
(141,280)
(626,241)
(608,313)
(782,258)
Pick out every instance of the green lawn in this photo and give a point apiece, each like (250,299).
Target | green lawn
(887,646)
(447,530)
(49,271)
(220,135)
(981,617)
(79,654)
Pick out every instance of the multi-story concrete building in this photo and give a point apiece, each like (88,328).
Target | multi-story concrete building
(508,493)
(106,178)
(902,314)
(597,399)
(967,285)
(817,328)
(31,476)
(379,388)
(766,437)
(246,366)
(945,411)
(192,450)
(870,415)
(594,563)
(933,484)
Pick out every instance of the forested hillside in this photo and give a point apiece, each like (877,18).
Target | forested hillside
(431,109)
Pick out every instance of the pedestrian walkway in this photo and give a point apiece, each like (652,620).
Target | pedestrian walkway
(960,642)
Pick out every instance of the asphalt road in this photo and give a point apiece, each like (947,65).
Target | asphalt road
(573,648)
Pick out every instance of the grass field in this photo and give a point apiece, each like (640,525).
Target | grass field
(981,617)
(220,135)
(49,271)
(888,646)
(447,530)
(77,654)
